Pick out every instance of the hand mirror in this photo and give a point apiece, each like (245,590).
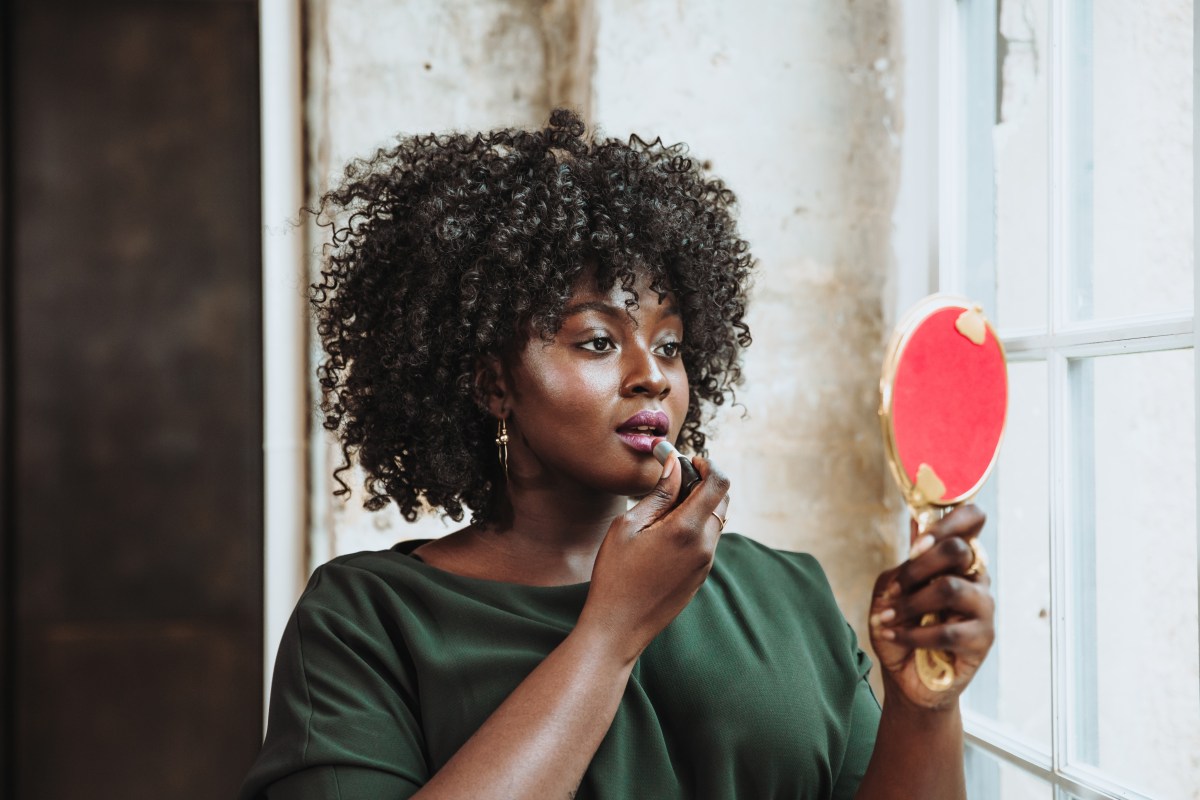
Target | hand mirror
(944,401)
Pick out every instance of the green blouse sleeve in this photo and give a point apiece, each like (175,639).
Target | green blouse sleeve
(344,718)
(863,725)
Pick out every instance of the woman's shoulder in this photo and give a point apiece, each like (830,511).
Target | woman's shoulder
(785,600)
(740,552)
(770,579)
(352,577)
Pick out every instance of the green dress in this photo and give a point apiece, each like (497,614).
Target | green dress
(757,690)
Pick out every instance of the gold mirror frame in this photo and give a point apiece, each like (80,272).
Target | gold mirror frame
(935,668)
(922,509)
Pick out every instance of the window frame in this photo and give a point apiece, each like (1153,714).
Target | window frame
(285,378)
(934,236)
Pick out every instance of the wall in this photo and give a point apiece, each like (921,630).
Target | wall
(796,106)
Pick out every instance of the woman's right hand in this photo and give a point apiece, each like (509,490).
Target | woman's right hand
(653,560)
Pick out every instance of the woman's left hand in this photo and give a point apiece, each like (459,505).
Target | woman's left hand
(934,579)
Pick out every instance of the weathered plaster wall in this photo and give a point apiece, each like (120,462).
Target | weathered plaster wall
(377,69)
(794,104)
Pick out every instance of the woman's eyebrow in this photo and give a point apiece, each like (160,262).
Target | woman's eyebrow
(599,306)
(609,310)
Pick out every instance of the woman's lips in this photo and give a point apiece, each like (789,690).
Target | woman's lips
(642,442)
(640,430)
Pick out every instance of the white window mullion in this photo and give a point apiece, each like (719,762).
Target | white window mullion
(1020,752)
(978,280)
(1079,567)
(1078,159)
(1146,327)
(1027,350)
(1081,784)
(285,320)
(1196,274)
(1056,385)
(1059,549)
(1057,172)
(1154,344)
(1091,783)
(952,162)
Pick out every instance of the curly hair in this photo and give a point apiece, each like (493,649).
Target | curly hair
(446,249)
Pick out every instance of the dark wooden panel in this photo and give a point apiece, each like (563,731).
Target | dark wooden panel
(119,704)
(7,539)
(137,397)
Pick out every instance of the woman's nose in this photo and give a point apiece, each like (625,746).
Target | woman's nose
(643,374)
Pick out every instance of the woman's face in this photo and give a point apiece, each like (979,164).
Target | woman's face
(584,407)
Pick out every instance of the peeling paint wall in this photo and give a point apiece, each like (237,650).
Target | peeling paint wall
(794,104)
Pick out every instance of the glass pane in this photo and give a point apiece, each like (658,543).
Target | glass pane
(1020,140)
(1135,658)
(989,778)
(1013,687)
(1129,150)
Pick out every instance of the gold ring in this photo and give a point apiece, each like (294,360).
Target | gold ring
(978,559)
(720,519)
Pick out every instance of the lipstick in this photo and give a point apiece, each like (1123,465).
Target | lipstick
(690,478)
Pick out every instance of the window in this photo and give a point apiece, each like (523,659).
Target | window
(1066,206)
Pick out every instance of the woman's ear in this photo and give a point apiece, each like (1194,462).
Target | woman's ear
(491,386)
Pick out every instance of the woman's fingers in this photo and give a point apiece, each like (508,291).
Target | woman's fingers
(944,548)
(964,522)
(934,585)
(644,576)
(709,499)
(698,512)
(946,593)
(970,636)
(952,555)
(659,502)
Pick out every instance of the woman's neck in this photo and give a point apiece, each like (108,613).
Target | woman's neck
(547,534)
(550,534)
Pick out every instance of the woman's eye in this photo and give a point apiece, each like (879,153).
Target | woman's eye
(669,349)
(599,345)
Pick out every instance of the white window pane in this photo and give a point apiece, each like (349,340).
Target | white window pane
(1135,659)
(989,778)
(1129,148)
(1020,141)
(1013,687)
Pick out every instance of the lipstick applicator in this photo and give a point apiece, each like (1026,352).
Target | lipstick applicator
(690,478)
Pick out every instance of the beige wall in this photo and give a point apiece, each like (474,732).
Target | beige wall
(795,104)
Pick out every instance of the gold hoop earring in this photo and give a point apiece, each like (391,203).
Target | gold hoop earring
(502,446)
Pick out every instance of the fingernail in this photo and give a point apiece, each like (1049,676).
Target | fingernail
(920,546)
(893,590)
(887,615)
(668,468)
(888,633)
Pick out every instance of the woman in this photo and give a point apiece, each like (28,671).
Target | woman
(511,320)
